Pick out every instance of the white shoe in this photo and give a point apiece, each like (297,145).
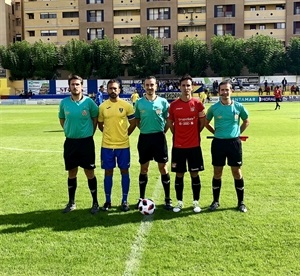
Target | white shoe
(196,207)
(178,207)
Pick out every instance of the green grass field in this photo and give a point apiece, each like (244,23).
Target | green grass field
(37,239)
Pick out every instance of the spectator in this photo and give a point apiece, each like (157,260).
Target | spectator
(284,83)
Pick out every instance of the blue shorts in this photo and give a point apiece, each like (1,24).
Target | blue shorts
(109,158)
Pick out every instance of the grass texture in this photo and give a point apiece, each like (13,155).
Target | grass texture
(37,239)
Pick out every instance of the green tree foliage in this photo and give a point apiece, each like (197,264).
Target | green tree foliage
(264,55)
(226,55)
(106,58)
(16,58)
(293,56)
(147,56)
(76,57)
(190,56)
(45,59)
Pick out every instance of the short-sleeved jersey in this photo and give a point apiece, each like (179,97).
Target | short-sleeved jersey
(115,116)
(185,116)
(152,114)
(227,119)
(78,117)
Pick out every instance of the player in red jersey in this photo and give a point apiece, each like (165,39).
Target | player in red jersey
(278,96)
(186,121)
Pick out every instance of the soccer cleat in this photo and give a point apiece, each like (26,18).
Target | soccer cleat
(196,207)
(95,208)
(168,204)
(69,207)
(214,206)
(125,206)
(178,207)
(106,206)
(242,207)
(137,205)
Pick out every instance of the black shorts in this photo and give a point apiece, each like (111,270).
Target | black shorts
(79,152)
(226,148)
(191,156)
(153,146)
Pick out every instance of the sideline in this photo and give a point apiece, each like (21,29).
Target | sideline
(137,247)
(31,150)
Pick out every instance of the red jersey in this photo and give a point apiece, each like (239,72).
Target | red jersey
(185,117)
(277,93)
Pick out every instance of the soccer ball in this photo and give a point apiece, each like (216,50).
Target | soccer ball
(146,206)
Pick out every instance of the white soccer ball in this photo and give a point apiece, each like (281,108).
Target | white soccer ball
(146,206)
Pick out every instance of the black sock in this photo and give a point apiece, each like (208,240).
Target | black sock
(72,185)
(93,189)
(196,187)
(239,188)
(143,180)
(165,180)
(179,187)
(216,187)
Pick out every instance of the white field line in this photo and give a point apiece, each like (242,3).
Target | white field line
(30,150)
(137,247)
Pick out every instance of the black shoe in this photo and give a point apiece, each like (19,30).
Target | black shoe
(168,204)
(125,206)
(214,206)
(137,205)
(69,207)
(242,207)
(106,206)
(95,208)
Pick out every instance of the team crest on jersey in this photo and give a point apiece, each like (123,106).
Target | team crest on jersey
(158,111)
(121,109)
(192,108)
(84,113)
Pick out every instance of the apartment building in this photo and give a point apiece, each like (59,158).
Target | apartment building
(58,21)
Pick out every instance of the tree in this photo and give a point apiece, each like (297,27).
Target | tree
(45,59)
(147,56)
(293,56)
(190,56)
(17,58)
(106,58)
(264,55)
(226,55)
(76,57)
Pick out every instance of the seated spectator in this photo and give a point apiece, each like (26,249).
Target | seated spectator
(293,89)
(260,91)
(297,90)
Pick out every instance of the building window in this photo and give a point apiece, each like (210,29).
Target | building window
(94,33)
(159,32)
(30,15)
(297,27)
(18,37)
(252,27)
(94,1)
(18,22)
(262,27)
(225,11)
(279,25)
(48,33)
(297,8)
(70,32)
(225,29)
(262,8)
(127,31)
(279,7)
(252,8)
(95,16)
(18,6)
(158,14)
(70,14)
(31,33)
(47,15)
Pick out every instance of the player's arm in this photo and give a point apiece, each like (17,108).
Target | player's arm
(95,121)
(170,124)
(244,125)
(132,126)
(101,126)
(166,126)
(62,122)
(209,126)
(201,123)
(137,122)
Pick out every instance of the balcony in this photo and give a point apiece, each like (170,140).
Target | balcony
(125,39)
(275,33)
(263,2)
(52,22)
(126,4)
(191,3)
(127,21)
(201,35)
(191,19)
(266,16)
